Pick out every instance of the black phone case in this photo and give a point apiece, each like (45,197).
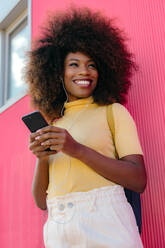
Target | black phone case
(34,121)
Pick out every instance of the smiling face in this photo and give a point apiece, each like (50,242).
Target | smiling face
(80,76)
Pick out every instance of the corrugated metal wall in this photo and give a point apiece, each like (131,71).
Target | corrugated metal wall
(143,21)
(147,104)
(20,220)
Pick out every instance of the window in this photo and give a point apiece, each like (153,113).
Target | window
(18,45)
(14,43)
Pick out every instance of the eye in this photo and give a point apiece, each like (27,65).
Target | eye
(92,65)
(73,64)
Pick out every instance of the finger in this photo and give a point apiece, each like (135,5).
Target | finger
(50,135)
(38,148)
(41,148)
(32,136)
(34,144)
(50,129)
(51,142)
(56,147)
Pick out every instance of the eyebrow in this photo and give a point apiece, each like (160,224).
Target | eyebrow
(90,60)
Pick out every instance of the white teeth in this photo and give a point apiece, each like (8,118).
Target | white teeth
(83,82)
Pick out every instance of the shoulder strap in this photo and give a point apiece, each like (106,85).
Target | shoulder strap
(132,197)
(111,124)
(111,120)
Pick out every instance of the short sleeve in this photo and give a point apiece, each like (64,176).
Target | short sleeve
(126,136)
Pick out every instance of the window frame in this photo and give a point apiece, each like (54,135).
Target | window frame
(7,59)
(25,15)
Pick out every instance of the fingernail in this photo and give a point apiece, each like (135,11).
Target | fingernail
(37,137)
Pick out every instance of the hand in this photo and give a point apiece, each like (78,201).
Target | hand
(36,147)
(57,139)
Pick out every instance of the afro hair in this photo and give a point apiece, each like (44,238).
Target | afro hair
(78,30)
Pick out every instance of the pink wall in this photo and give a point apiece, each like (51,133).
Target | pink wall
(21,220)
(146,102)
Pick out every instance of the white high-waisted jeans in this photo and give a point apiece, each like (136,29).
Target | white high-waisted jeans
(99,218)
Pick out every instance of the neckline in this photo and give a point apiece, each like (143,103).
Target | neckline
(78,103)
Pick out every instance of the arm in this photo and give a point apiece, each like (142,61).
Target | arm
(129,171)
(40,183)
(41,175)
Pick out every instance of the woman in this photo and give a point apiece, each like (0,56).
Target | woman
(76,70)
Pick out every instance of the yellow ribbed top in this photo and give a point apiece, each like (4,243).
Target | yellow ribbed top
(87,123)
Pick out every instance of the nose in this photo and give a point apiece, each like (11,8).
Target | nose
(84,70)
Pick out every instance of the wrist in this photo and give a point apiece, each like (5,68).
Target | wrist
(79,151)
(43,160)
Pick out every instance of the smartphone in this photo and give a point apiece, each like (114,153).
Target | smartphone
(35,121)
